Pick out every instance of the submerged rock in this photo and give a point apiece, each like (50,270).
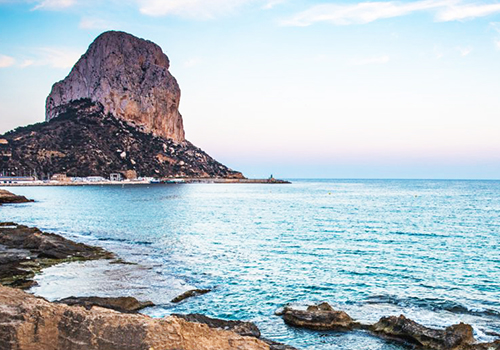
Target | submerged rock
(29,323)
(401,328)
(319,317)
(189,294)
(9,197)
(122,304)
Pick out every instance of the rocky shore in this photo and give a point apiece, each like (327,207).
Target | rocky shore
(323,317)
(77,323)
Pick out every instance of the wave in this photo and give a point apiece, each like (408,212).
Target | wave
(433,304)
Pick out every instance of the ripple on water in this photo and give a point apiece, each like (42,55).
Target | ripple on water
(428,249)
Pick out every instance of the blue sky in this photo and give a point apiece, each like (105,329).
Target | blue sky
(343,89)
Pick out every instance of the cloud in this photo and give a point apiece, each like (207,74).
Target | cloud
(192,62)
(27,63)
(371,60)
(497,44)
(6,61)
(468,11)
(54,4)
(201,9)
(464,51)
(95,23)
(272,3)
(366,12)
(58,57)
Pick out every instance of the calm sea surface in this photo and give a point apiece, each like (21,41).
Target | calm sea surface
(427,249)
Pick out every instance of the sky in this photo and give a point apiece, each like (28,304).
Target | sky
(293,88)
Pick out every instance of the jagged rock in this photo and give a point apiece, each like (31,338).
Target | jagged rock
(319,317)
(28,323)
(9,197)
(239,327)
(189,294)
(24,251)
(122,304)
(129,76)
(46,245)
(453,337)
(84,141)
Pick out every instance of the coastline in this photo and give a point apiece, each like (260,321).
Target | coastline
(167,181)
(77,323)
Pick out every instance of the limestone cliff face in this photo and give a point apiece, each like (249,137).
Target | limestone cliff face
(130,78)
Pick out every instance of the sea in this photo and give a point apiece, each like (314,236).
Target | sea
(427,249)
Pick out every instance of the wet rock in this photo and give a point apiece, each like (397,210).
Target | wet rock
(122,304)
(24,251)
(401,328)
(9,197)
(483,346)
(319,317)
(240,327)
(47,245)
(189,294)
(29,323)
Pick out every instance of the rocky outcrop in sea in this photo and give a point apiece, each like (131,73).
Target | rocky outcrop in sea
(116,112)
(129,77)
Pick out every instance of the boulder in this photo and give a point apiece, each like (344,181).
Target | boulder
(318,317)
(189,294)
(401,328)
(122,304)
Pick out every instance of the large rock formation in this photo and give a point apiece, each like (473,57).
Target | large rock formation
(30,323)
(130,78)
(116,111)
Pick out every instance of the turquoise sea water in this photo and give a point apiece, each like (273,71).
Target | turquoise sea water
(427,249)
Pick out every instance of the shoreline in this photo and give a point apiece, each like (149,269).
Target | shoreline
(169,181)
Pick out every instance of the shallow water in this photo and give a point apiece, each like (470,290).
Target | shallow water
(427,249)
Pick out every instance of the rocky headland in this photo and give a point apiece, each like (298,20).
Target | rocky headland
(7,197)
(116,112)
(85,141)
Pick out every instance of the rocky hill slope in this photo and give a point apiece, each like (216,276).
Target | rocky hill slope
(84,141)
